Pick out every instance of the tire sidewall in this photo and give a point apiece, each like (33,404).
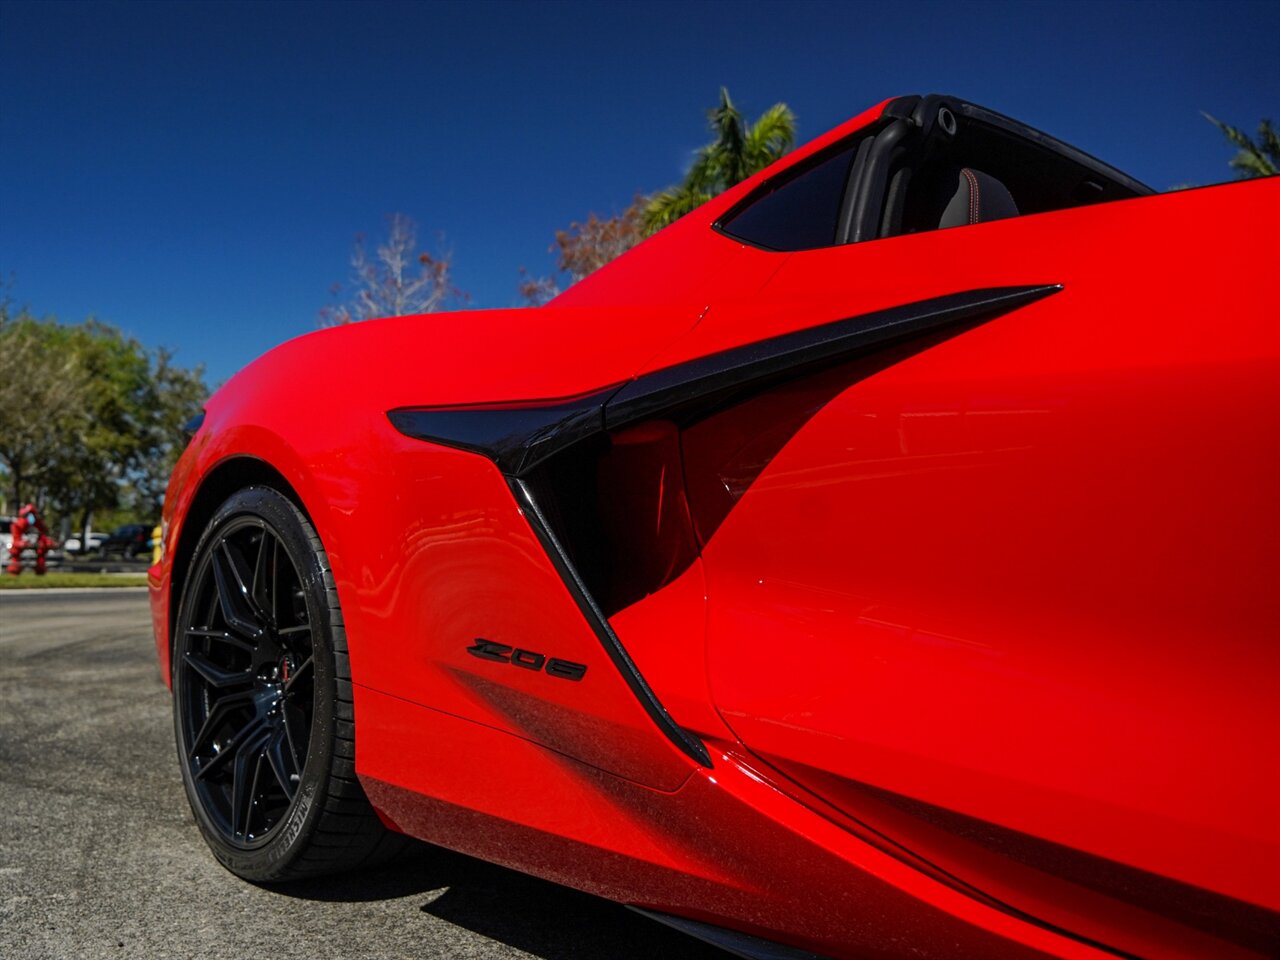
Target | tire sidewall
(289,839)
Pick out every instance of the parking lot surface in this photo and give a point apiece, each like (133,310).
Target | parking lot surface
(99,855)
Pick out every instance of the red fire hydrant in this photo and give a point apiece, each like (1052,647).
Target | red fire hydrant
(28,521)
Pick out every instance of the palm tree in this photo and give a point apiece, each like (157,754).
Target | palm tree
(737,152)
(1260,159)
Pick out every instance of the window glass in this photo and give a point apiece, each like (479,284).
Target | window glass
(800,213)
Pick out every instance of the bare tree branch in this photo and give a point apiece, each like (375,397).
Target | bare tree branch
(395,281)
(586,247)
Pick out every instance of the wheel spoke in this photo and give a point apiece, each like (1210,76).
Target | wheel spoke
(250,732)
(292,714)
(217,716)
(275,579)
(253,794)
(232,596)
(286,772)
(261,595)
(214,675)
(244,784)
(221,636)
(238,566)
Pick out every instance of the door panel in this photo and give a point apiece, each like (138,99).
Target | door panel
(1023,577)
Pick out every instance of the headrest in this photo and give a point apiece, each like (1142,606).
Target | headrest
(978,198)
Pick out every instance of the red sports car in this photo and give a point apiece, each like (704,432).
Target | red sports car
(879,561)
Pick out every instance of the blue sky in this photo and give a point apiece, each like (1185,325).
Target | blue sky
(195,173)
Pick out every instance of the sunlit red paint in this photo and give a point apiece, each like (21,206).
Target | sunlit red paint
(983,635)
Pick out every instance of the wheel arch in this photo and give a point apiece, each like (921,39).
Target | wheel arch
(228,476)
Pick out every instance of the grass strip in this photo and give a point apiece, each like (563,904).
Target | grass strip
(54,579)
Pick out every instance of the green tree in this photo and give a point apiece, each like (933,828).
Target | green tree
(42,392)
(105,442)
(176,395)
(737,152)
(1260,158)
(89,419)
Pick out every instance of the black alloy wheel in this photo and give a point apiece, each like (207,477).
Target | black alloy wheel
(264,737)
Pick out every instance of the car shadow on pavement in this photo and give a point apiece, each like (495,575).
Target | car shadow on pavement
(540,918)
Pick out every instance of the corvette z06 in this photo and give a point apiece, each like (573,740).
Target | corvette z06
(879,561)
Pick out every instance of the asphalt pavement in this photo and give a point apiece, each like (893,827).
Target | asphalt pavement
(100,857)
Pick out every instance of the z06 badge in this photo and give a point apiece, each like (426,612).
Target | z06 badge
(501,653)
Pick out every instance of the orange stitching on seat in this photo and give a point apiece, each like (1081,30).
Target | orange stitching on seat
(973,195)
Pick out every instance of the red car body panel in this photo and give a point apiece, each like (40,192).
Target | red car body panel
(979,632)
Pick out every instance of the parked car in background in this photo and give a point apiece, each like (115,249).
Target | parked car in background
(129,540)
(73,544)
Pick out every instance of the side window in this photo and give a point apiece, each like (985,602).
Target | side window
(949,164)
(799,213)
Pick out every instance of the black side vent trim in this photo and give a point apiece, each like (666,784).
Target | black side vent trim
(528,502)
(520,437)
(517,437)
(523,438)
(748,369)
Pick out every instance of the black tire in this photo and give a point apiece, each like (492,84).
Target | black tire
(263,713)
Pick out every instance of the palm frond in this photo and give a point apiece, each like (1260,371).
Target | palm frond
(771,136)
(668,206)
(706,171)
(1269,140)
(724,154)
(1254,159)
(737,152)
